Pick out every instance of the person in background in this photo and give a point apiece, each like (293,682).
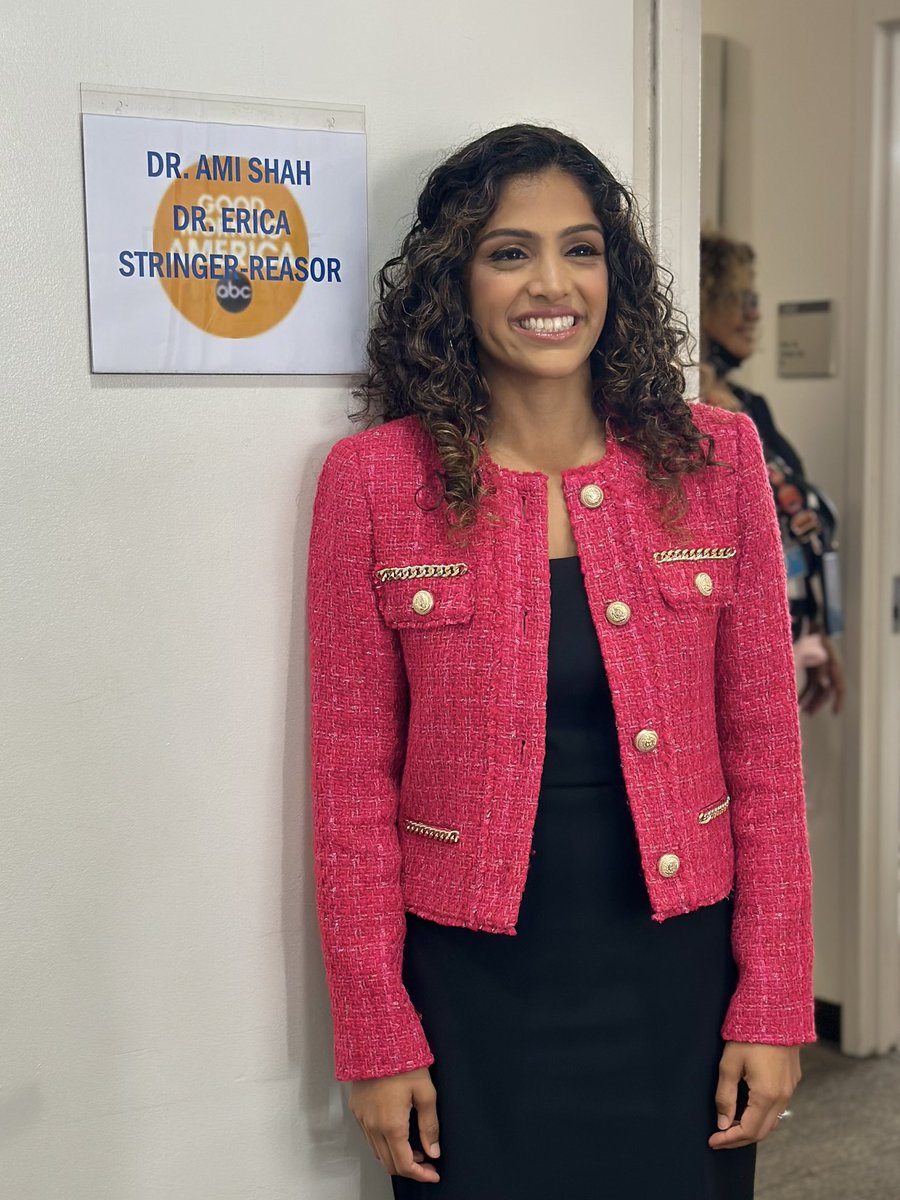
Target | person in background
(729,314)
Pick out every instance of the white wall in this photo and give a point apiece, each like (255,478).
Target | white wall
(164,1012)
(788,153)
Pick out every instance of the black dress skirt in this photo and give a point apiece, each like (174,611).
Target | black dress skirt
(578,1059)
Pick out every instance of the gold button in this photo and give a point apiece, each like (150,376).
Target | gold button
(646,740)
(618,612)
(703,583)
(668,865)
(591,495)
(423,602)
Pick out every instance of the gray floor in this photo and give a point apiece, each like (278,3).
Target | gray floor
(843,1140)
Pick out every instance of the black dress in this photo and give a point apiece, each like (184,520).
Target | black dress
(578,1060)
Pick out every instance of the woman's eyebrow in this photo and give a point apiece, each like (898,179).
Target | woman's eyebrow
(527,234)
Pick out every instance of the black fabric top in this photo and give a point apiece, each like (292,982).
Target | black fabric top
(582,745)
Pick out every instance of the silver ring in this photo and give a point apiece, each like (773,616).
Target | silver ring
(787,1113)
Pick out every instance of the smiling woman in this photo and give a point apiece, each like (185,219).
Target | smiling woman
(565,912)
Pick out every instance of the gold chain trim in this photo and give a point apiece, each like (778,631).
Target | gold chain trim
(441,570)
(692,555)
(432,831)
(715,811)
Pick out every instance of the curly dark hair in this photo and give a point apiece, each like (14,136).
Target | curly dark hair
(422,351)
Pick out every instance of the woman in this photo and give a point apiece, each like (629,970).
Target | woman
(729,314)
(563,878)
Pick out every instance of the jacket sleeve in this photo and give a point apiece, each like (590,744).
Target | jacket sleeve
(358,719)
(759,741)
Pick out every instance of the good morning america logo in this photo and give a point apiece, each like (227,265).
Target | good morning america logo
(234,257)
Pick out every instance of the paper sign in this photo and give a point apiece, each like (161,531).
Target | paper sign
(221,248)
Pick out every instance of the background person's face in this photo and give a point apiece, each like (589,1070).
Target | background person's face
(731,320)
(538,293)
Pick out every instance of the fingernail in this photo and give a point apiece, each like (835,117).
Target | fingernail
(435,1149)
(723,1121)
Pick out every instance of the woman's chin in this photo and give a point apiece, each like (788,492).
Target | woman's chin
(553,366)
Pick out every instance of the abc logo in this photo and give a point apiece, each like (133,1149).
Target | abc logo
(234,292)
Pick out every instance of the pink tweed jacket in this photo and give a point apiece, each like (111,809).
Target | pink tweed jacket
(428,709)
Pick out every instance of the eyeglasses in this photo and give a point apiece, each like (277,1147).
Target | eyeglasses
(747,299)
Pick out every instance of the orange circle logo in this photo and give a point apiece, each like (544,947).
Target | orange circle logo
(231,252)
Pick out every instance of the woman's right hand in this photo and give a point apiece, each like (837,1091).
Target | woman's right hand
(382,1107)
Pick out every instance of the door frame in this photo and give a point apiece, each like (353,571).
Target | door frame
(666,176)
(871,792)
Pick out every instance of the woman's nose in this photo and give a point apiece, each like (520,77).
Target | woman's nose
(550,279)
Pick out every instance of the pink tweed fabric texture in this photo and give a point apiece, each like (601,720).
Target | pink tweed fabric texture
(428,719)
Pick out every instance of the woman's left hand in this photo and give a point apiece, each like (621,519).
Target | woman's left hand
(772,1074)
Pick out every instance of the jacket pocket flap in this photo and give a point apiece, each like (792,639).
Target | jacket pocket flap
(426,595)
(703,577)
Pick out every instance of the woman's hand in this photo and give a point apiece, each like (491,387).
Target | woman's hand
(772,1074)
(382,1106)
(824,681)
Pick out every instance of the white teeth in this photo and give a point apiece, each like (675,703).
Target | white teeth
(547,324)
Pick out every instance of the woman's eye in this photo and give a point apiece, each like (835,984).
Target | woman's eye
(585,247)
(505,254)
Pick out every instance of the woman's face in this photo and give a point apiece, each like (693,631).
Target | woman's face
(732,319)
(537,286)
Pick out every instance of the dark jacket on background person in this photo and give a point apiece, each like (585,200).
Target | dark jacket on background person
(807,604)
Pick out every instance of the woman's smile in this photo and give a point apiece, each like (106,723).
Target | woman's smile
(548,325)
